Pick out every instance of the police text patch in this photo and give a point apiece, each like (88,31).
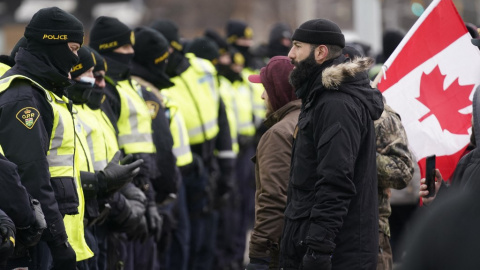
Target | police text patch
(28,116)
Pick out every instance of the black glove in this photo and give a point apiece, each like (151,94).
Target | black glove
(7,241)
(316,261)
(30,235)
(258,264)
(154,221)
(116,175)
(140,232)
(64,257)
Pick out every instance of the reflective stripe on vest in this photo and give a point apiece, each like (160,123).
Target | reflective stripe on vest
(198,102)
(181,148)
(135,121)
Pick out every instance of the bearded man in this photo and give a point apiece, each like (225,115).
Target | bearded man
(331,218)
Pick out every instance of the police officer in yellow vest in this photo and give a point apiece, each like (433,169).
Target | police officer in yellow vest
(37,129)
(196,91)
(98,179)
(171,141)
(114,40)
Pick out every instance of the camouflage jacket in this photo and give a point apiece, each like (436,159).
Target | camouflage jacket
(394,162)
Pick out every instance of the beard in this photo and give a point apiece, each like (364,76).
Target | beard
(302,71)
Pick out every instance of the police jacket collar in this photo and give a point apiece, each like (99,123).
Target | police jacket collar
(28,65)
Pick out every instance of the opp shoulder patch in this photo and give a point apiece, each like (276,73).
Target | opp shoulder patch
(152,108)
(28,116)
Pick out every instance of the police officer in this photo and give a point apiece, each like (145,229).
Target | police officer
(98,179)
(196,91)
(171,141)
(36,129)
(114,40)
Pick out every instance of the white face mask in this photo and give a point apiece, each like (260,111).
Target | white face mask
(88,80)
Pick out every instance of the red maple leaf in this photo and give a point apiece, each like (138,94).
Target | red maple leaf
(445,104)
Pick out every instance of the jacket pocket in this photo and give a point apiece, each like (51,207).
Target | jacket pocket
(298,210)
(328,134)
(66,195)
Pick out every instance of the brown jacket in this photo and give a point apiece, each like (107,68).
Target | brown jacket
(272,171)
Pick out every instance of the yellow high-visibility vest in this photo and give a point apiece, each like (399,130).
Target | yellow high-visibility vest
(228,96)
(181,147)
(196,92)
(135,122)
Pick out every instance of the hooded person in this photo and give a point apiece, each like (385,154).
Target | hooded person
(34,87)
(333,172)
(114,41)
(279,40)
(272,162)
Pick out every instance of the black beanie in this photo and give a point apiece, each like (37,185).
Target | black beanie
(319,31)
(169,30)
(205,48)
(219,40)
(238,29)
(151,47)
(53,26)
(85,62)
(109,33)
(100,63)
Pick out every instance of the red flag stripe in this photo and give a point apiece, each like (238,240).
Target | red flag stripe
(445,33)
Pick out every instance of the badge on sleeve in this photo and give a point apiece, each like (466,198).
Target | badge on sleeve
(153,108)
(28,116)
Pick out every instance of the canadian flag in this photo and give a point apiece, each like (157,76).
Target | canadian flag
(429,80)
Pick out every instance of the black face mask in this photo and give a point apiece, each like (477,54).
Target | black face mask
(227,72)
(174,60)
(119,64)
(80,92)
(58,56)
(96,98)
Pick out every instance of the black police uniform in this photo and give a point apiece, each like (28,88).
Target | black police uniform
(27,147)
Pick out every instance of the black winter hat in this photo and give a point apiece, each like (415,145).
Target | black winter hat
(238,29)
(85,62)
(205,48)
(109,33)
(319,31)
(151,47)
(279,31)
(169,30)
(219,40)
(53,26)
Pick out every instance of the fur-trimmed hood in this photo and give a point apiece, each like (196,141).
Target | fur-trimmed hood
(334,75)
(351,76)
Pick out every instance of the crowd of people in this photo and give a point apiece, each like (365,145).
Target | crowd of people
(142,150)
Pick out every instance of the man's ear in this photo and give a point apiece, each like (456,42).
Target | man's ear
(321,53)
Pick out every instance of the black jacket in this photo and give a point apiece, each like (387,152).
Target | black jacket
(332,195)
(21,212)
(27,148)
